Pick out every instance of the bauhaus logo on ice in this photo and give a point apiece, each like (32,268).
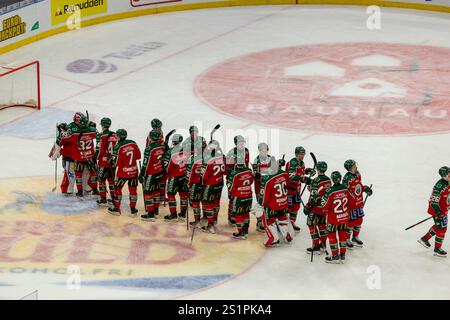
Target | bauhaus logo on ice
(62,9)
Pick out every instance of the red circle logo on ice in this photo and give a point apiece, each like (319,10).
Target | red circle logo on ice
(350,88)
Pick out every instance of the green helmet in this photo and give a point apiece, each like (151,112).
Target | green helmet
(322,166)
(122,134)
(154,135)
(263,146)
(84,121)
(336,177)
(156,123)
(443,171)
(105,123)
(300,150)
(213,144)
(177,138)
(348,164)
(238,139)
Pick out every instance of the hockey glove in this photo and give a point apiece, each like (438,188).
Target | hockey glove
(310,171)
(141,179)
(257,175)
(368,190)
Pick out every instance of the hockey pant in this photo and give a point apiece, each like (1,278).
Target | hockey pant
(68,181)
(105,174)
(317,228)
(132,188)
(276,226)
(438,229)
(294,201)
(337,237)
(355,223)
(152,194)
(85,176)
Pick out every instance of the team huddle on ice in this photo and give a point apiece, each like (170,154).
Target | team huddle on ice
(197,170)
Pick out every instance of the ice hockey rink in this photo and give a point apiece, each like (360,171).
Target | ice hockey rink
(257,69)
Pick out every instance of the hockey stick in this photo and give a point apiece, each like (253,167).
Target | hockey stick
(213,131)
(143,194)
(166,139)
(315,164)
(416,224)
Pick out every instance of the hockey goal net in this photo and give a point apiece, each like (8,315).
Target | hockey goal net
(20,86)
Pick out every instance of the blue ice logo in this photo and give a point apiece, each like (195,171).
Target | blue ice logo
(90,66)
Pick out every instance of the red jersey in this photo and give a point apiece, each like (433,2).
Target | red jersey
(354,184)
(153,158)
(439,202)
(160,141)
(274,189)
(213,170)
(337,203)
(234,156)
(240,183)
(176,161)
(126,155)
(106,142)
(82,142)
(194,171)
(296,170)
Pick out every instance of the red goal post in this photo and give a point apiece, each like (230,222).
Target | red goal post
(20,86)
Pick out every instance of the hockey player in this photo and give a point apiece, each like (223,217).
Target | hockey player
(81,137)
(275,203)
(106,142)
(213,168)
(125,157)
(239,184)
(337,202)
(151,175)
(316,220)
(194,141)
(352,180)
(260,168)
(156,126)
(297,175)
(175,166)
(194,169)
(65,149)
(438,207)
(238,155)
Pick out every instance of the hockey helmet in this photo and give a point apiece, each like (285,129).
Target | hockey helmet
(122,134)
(322,166)
(336,177)
(105,123)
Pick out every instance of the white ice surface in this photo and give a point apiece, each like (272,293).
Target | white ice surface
(160,84)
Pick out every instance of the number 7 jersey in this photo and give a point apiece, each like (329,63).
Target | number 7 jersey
(126,155)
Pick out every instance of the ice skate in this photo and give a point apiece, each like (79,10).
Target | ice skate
(423,241)
(334,259)
(114,211)
(357,242)
(438,252)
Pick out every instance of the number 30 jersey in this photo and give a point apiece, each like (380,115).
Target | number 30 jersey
(126,155)
(274,190)
(337,203)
